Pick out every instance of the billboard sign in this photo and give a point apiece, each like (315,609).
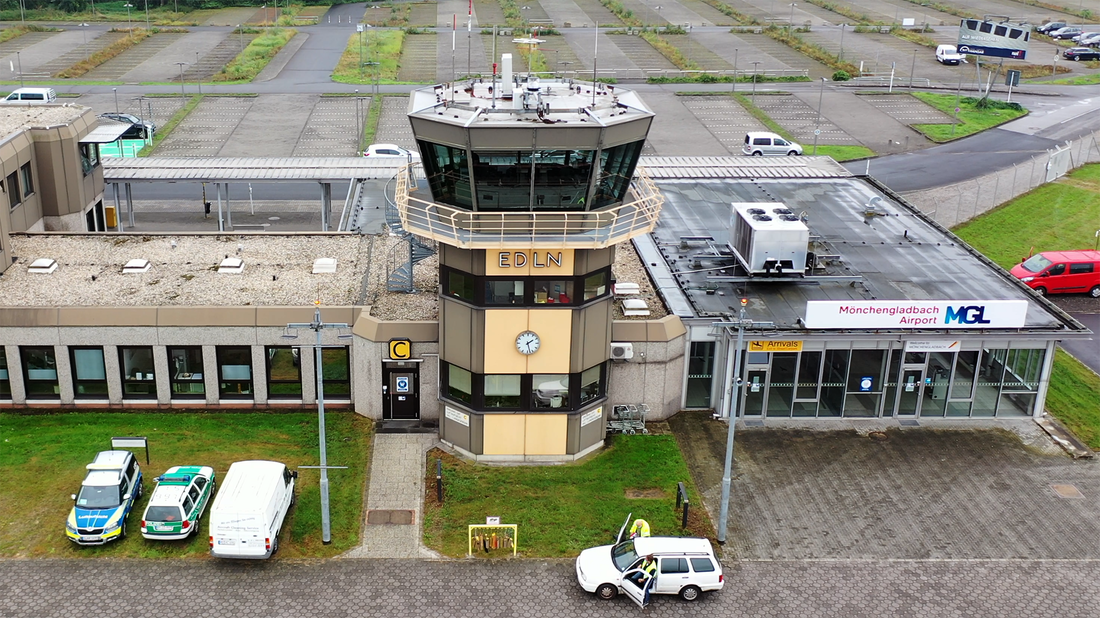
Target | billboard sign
(927,314)
(986,38)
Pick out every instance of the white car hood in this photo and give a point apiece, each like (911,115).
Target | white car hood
(597,566)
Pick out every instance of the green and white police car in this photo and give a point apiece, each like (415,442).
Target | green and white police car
(178,502)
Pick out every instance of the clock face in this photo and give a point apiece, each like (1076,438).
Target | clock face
(528,342)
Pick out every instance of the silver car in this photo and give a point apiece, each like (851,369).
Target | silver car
(769,144)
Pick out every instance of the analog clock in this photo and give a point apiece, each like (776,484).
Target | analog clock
(528,342)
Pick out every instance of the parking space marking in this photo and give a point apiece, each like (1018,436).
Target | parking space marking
(330,128)
(800,120)
(206,129)
(907,109)
(393,124)
(726,120)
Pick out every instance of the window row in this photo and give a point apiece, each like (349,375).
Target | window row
(525,291)
(18,185)
(185,368)
(544,392)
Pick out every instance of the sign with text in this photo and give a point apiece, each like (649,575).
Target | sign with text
(930,314)
(775,346)
(986,38)
(459,417)
(400,349)
(591,416)
(530,262)
(932,346)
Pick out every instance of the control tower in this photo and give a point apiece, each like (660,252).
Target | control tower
(533,183)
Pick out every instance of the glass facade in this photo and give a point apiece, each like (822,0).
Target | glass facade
(700,374)
(538,392)
(337,372)
(40,372)
(234,372)
(523,291)
(89,373)
(867,383)
(284,372)
(448,174)
(185,369)
(138,377)
(616,168)
(5,382)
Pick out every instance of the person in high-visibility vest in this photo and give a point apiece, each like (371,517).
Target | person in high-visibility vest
(640,528)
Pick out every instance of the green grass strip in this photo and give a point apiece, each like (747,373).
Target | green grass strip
(256,56)
(370,127)
(624,14)
(972,117)
(944,8)
(114,49)
(561,510)
(669,51)
(164,131)
(815,52)
(1072,396)
(729,11)
(382,46)
(1081,80)
(838,152)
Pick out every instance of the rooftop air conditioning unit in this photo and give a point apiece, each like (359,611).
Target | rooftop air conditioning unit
(231,266)
(42,266)
(136,267)
(768,238)
(622,351)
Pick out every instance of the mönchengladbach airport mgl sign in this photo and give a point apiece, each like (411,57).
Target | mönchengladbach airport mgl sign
(930,314)
(985,38)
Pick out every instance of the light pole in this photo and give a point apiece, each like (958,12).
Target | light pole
(790,27)
(820,99)
(84,29)
(317,326)
(129,27)
(148,28)
(19,63)
(733,86)
(182,64)
(240,30)
(198,78)
(116,99)
(840,56)
(658,7)
(755,63)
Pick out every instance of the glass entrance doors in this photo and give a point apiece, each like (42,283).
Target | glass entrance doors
(912,390)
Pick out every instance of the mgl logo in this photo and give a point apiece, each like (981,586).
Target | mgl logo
(966,314)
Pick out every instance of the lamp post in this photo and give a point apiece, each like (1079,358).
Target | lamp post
(148,28)
(733,85)
(820,99)
(317,326)
(19,63)
(240,30)
(198,78)
(84,30)
(129,27)
(790,27)
(840,56)
(182,93)
(755,63)
(116,99)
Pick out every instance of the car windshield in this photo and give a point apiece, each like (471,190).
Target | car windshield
(163,513)
(623,555)
(98,497)
(1036,263)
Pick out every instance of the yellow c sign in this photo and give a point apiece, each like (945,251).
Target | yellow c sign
(775,346)
(400,349)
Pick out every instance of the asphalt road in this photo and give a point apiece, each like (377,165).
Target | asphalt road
(1086,350)
(539,589)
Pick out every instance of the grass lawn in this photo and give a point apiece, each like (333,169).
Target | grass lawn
(1080,80)
(1070,210)
(563,509)
(248,64)
(43,459)
(382,46)
(972,119)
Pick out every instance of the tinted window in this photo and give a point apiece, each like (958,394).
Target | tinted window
(187,504)
(702,565)
(780,142)
(623,555)
(31,96)
(674,565)
(762,141)
(193,493)
(1079,269)
(200,482)
(163,513)
(1058,269)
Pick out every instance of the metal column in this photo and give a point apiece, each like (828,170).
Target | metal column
(326,205)
(228,208)
(221,219)
(130,204)
(118,207)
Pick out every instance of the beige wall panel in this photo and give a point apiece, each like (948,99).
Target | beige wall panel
(438,132)
(374,329)
(206,316)
(429,380)
(456,343)
(366,377)
(628,331)
(451,430)
(459,259)
(554,327)
(626,132)
(107,316)
(589,260)
(100,335)
(193,336)
(529,262)
(504,434)
(545,434)
(28,316)
(574,138)
(32,335)
(595,339)
(501,328)
(665,329)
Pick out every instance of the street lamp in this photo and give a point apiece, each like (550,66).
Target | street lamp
(754,63)
(148,28)
(129,28)
(733,85)
(241,31)
(198,77)
(182,93)
(817,127)
(84,29)
(790,26)
(116,99)
(317,326)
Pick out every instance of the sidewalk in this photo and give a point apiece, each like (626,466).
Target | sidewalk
(396,490)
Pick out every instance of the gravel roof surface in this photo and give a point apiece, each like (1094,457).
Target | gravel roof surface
(16,116)
(278,270)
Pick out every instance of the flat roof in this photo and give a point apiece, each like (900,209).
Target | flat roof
(897,253)
(244,169)
(16,116)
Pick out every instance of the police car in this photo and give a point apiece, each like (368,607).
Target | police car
(108,493)
(177,503)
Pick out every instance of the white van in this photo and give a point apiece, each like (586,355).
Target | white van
(32,95)
(949,54)
(250,509)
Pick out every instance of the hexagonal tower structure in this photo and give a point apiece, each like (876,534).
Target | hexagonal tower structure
(533,183)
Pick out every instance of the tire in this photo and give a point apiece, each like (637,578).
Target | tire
(275,545)
(690,593)
(1041,291)
(1095,291)
(757,154)
(606,592)
(123,534)
(792,154)
(1075,58)
(140,491)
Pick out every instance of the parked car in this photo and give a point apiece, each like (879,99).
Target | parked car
(685,566)
(177,503)
(1089,39)
(249,511)
(949,54)
(1061,272)
(1081,53)
(138,128)
(32,95)
(391,151)
(1049,27)
(1065,33)
(768,144)
(107,495)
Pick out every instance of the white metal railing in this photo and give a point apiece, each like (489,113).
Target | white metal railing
(498,230)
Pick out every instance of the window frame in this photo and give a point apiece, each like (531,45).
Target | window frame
(11,187)
(26,179)
(50,353)
(328,380)
(531,286)
(174,381)
(5,375)
(283,384)
(79,383)
(225,386)
(90,158)
(571,403)
(145,382)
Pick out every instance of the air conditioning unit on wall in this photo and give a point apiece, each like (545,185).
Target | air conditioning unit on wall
(622,351)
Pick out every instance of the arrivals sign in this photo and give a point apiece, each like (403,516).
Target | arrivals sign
(927,314)
(986,38)
(775,346)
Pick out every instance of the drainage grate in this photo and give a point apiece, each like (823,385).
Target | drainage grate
(1066,490)
(753,422)
(400,517)
(909,422)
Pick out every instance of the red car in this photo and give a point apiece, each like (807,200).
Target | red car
(1061,272)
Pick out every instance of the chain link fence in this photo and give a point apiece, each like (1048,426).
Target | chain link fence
(957,203)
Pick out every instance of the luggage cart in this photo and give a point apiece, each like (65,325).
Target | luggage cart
(628,419)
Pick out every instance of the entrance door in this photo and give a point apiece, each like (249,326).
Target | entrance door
(401,392)
(755,389)
(911,390)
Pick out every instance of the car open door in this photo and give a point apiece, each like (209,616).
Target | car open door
(633,590)
(622,531)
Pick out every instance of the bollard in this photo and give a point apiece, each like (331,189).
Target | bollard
(439,480)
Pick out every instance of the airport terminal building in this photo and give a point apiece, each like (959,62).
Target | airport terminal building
(558,273)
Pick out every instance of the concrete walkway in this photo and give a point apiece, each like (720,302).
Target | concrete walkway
(397,484)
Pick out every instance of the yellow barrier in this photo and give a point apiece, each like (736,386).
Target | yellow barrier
(488,539)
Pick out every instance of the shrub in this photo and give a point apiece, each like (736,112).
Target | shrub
(841,76)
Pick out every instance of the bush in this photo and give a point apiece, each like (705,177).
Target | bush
(841,76)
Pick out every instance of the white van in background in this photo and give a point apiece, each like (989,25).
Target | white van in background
(250,509)
(949,54)
(32,95)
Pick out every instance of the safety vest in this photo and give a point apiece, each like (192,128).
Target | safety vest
(640,528)
(649,567)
